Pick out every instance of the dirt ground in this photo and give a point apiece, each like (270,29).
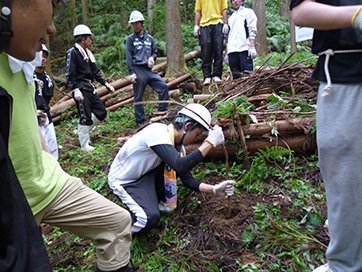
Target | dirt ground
(210,232)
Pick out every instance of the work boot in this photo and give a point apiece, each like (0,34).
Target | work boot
(207,81)
(216,79)
(83,134)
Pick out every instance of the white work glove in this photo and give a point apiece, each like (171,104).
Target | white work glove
(216,136)
(78,95)
(225,29)
(109,87)
(226,59)
(252,53)
(196,31)
(224,188)
(357,19)
(133,78)
(151,62)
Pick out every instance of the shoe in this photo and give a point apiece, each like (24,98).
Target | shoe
(216,79)
(207,81)
(323,268)
(162,206)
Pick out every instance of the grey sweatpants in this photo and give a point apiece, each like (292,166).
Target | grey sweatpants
(82,211)
(339,139)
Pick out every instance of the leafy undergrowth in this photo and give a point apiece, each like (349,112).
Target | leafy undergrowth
(273,222)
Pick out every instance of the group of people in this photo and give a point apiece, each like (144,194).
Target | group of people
(212,25)
(36,190)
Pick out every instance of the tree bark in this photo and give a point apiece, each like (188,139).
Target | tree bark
(85,12)
(175,58)
(284,8)
(151,15)
(261,39)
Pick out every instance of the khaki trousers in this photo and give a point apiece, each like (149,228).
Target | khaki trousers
(82,211)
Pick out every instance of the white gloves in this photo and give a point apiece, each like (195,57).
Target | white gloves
(357,19)
(196,31)
(133,78)
(109,87)
(225,29)
(252,53)
(226,59)
(224,188)
(78,95)
(151,62)
(216,136)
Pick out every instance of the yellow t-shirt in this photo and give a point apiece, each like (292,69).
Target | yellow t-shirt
(211,11)
(39,173)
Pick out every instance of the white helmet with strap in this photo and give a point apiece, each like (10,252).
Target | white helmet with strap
(45,49)
(81,30)
(136,16)
(198,113)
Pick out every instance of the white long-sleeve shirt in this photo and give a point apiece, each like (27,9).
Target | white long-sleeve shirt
(240,20)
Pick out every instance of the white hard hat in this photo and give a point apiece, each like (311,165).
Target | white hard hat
(45,49)
(135,16)
(198,113)
(81,30)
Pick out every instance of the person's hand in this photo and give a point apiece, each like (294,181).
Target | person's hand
(357,19)
(224,188)
(42,117)
(109,87)
(151,62)
(216,136)
(226,59)
(225,29)
(252,53)
(78,95)
(196,31)
(133,78)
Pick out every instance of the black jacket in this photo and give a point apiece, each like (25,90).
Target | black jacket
(79,72)
(21,245)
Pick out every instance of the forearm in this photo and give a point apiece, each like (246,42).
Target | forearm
(322,16)
(205,148)
(44,146)
(252,43)
(197,18)
(206,188)
(225,15)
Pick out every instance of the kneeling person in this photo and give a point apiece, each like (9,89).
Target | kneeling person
(144,170)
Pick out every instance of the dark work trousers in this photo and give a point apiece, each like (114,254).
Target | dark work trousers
(146,76)
(211,43)
(146,192)
(91,104)
(240,62)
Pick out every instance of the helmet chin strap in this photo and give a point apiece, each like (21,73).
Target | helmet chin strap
(178,145)
(5,25)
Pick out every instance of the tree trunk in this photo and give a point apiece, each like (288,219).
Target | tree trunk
(151,15)
(74,14)
(261,40)
(175,58)
(85,12)
(284,8)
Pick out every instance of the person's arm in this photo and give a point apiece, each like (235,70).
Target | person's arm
(171,157)
(44,146)
(154,50)
(129,55)
(71,71)
(225,16)
(323,17)
(197,17)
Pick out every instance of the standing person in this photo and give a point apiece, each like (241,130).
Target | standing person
(141,53)
(337,41)
(211,23)
(44,87)
(143,174)
(240,49)
(54,196)
(81,72)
